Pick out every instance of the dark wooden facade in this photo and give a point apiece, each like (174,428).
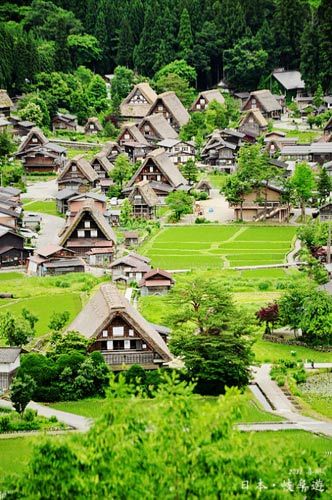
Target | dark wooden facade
(12,251)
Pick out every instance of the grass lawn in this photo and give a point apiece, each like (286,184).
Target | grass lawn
(294,440)
(217,181)
(10,275)
(270,352)
(43,296)
(305,136)
(44,207)
(217,246)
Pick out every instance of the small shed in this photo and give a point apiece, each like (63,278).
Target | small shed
(156,282)
(131,238)
(9,364)
(93,126)
(204,186)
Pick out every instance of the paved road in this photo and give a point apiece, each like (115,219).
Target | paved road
(76,421)
(221,211)
(50,228)
(283,407)
(43,190)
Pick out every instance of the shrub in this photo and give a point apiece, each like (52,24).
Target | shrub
(264,285)
(5,424)
(29,415)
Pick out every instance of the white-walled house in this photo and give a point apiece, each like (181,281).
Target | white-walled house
(9,364)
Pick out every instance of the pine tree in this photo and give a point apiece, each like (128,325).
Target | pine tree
(185,37)
(324,34)
(126,44)
(101,33)
(309,65)
(145,51)
(318,99)
(324,185)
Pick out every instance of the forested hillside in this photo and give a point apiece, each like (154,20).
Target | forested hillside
(239,40)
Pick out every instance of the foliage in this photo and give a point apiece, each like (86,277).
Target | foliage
(32,113)
(122,84)
(126,213)
(173,82)
(68,342)
(324,185)
(70,375)
(268,314)
(122,171)
(180,68)
(7,145)
(180,203)
(58,320)
(190,171)
(21,392)
(16,331)
(302,185)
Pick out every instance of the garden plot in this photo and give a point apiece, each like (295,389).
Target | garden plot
(217,247)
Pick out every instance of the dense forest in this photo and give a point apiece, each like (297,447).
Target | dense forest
(238,40)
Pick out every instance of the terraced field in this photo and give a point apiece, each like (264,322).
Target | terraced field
(215,246)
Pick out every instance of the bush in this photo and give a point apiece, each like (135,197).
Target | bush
(62,284)
(264,285)
(201,220)
(29,415)
(5,424)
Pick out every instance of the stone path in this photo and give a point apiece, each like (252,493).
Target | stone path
(284,407)
(76,421)
(291,257)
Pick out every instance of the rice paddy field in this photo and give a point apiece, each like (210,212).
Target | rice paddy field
(219,247)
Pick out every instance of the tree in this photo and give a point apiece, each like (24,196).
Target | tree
(33,113)
(122,170)
(58,320)
(173,82)
(180,68)
(208,331)
(84,49)
(122,84)
(180,203)
(68,342)
(268,314)
(181,433)
(190,171)
(318,98)
(126,213)
(235,190)
(97,93)
(185,37)
(21,391)
(302,184)
(30,317)
(126,44)
(324,185)
(7,145)
(323,34)
(16,331)
(291,306)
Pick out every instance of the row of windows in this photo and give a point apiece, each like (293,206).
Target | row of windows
(119,345)
(118,331)
(92,233)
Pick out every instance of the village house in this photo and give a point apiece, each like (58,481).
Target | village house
(10,217)
(220,153)
(130,267)
(263,203)
(120,332)
(93,126)
(178,151)
(78,175)
(172,108)
(138,102)
(241,98)
(111,150)
(62,121)
(9,364)
(317,152)
(54,260)
(131,238)
(38,154)
(156,128)
(32,221)
(10,193)
(62,198)
(90,236)
(289,83)
(144,200)
(20,128)
(76,203)
(265,102)
(156,282)
(328,129)
(101,165)
(162,174)
(113,216)
(131,134)
(253,121)
(12,251)
(205,98)
(5,103)
(325,212)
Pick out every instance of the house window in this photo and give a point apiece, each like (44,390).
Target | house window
(144,177)
(118,331)
(253,103)
(81,233)
(87,224)
(94,233)
(105,333)
(110,345)
(74,168)
(160,108)
(91,126)
(34,139)
(127,136)
(127,344)
(143,346)
(198,106)
(131,333)
(151,169)
(158,177)
(146,128)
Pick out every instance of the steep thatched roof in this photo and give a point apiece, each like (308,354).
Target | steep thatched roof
(83,165)
(174,106)
(34,132)
(267,100)
(144,189)
(5,100)
(209,96)
(165,165)
(138,110)
(103,161)
(108,303)
(160,125)
(99,219)
(135,134)
(257,117)
(93,120)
